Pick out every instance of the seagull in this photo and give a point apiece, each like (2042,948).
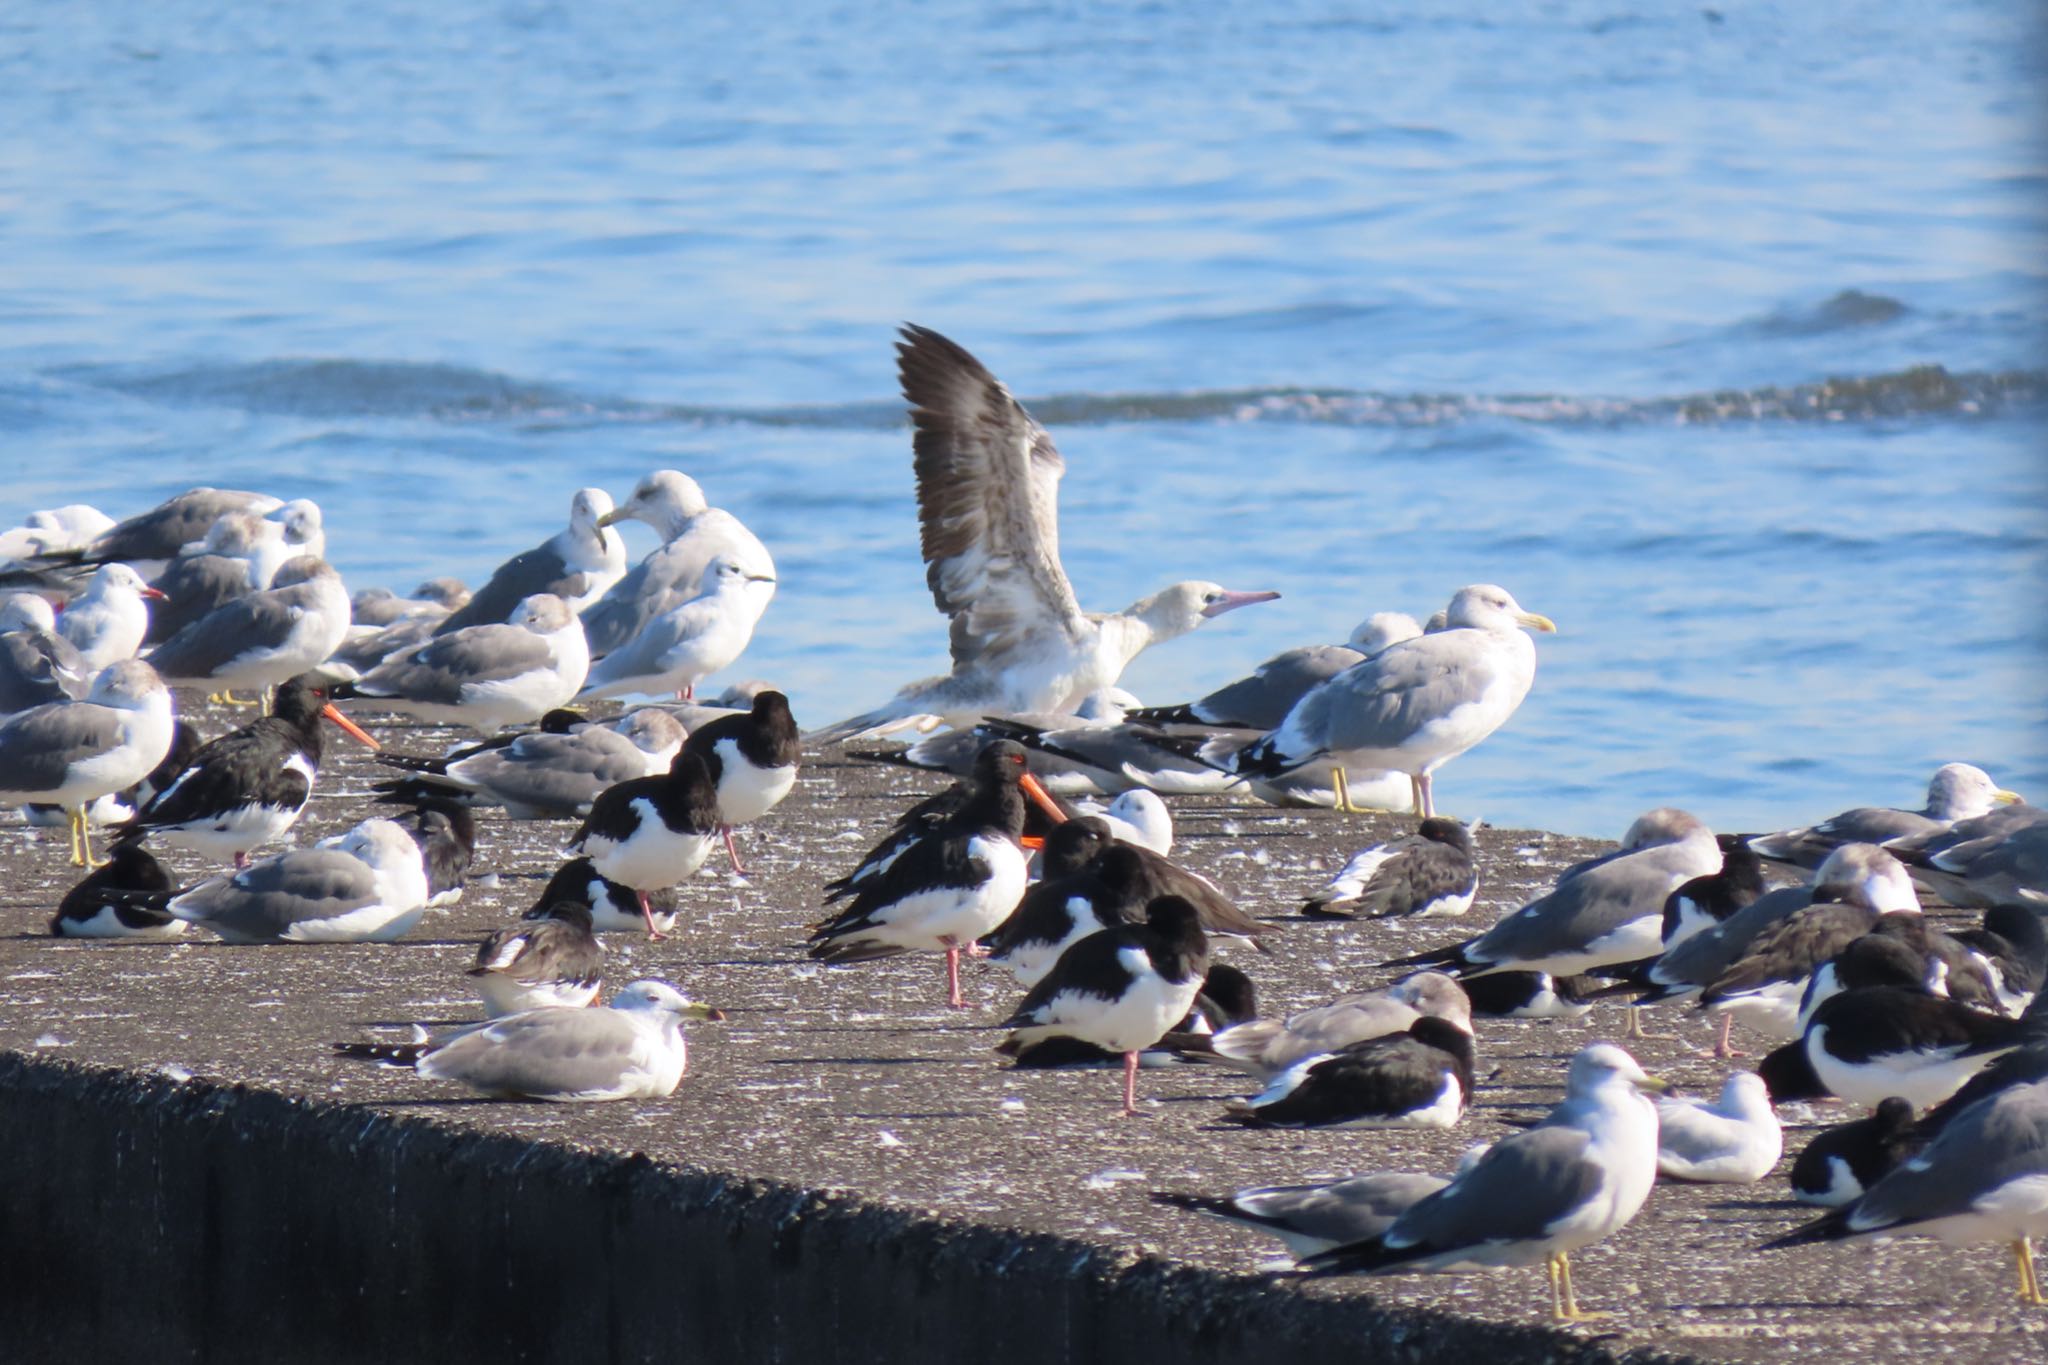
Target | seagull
(1430,872)
(678,648)
(1268,1048)
(263,639)
(577,565)
(52,531)
(1985,1179)
(1121,989)
(364,886)
(1577,1177)
(613,906)
(553,776)
(693,533)
(144,542)
(106,623)
(988,489)
(37,665)
(752,757)
(484,677)
(240,555)
(1840,1163)
(652,832)
(1736,1140)
(1957,792)
(1136,817)
(1995,859)
(1261,700)
(446,834)
(71,753)
(631,1050)
(100,906)
(1419,1078)
(1314,1218)
(948,886)
(1415,705)
(554,960)
(249,786)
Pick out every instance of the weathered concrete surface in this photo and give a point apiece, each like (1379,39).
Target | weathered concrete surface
(845,1151)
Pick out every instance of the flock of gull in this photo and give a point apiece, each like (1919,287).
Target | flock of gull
(1934,1029)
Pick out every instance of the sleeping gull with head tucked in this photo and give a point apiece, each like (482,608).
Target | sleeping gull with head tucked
(1412,707)
(987,493)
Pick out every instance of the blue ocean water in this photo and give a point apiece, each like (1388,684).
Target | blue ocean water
(1719,335)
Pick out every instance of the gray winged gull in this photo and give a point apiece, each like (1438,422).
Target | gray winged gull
(693,533)
(145,541)
(634,1049)
(1265,1048)
(578,565)
(485,677)
(367,885)
(52,531)
(37,664)
(1572,1180)
(1991,860)
(1262,699)
(688,642)
(1415,705)
(988,505)
(1958,791)
(71,753)
(107,621)
(544,776)
(1733,1140)
(265,638)
(1984,1179)
(223,567)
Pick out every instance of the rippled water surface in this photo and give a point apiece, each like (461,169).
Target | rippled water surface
(1715,334)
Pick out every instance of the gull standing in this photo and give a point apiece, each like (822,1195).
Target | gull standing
(988,491)
(107,622)
(485,677)
(1577,1177)
(693,533)
(263,639)
(1415,705)
(577,565)
(71,753)
(686,643)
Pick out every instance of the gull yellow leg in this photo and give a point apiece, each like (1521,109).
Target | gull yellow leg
(2030,1280)
(1635,1027)
(1570,1308)
(73,823)
(1341,785)
(226,697)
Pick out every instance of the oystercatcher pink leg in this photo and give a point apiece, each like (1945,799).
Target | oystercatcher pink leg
(1130,1085)
(953,996)
(731,850)
(1722,1049)
(647,913)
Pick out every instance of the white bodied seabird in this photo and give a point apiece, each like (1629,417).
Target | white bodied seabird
(484,677)
(1733,1140)
(578,565)
(1958,791)
(365,886)
(988,504)
(72,753)
(547,775)
(107,621)
(263,639)
(693,533)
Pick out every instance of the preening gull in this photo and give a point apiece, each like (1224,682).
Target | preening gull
(577,565)
(1958,791)
(1734,1140)
(684,644)
(1429,872)
(1985,1179)
(365,886)
(263,639)
(693,533)
(72,753)
(634,1049)
(1121,989)
(485,677)
(988,490)
(1415,705)
(1580,1175)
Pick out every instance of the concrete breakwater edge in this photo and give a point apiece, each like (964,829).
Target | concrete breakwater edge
(847,1174)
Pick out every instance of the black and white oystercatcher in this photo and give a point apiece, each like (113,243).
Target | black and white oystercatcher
(101,906)
(652,832)
(1420,1078)
(1121,989)
(949,885)
(753,759)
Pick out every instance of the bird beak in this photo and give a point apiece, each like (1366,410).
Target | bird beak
(616,515)
(2002,797)
(760,578)
(156,594)
(1042,797)
(1231,601)
(1031,841)
(1657,1084)
(703,1012)
(1535,622)
(349,727)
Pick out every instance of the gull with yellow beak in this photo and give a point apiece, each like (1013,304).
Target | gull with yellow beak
(1575,1178)
(1412,707)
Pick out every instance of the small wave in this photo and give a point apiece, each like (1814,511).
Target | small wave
(343,388)
(1845,311)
